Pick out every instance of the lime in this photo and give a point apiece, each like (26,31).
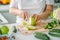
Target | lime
(4,29)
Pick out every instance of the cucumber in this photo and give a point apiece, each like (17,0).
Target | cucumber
(15,30)
(0,32)
(41,36)
(54,32)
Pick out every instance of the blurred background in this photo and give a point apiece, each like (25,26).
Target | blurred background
(5,17)
(4,11)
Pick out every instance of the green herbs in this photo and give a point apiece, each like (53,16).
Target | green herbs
(51,25)
(51,14)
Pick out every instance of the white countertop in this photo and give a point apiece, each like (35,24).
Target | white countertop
(19,36)
(4,7)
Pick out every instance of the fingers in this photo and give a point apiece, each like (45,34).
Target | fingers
(23,15)
(33,15)
(26,16)
(36,17)
(38,21)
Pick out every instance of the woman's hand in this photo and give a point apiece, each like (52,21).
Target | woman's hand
(23,14)
(38,19)
(36,16)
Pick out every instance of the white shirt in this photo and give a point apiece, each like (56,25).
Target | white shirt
(31,6)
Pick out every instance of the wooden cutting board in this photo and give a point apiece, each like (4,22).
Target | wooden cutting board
(22,29)
(39,27)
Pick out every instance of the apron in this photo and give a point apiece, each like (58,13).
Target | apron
(31,6)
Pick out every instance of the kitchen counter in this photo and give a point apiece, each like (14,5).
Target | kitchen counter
(4,7)
(4,10)
(20,36)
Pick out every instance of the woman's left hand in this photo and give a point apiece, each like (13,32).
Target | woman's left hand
(36,16)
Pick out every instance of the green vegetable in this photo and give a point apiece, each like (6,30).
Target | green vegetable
(47,26)
(15,30)
(55,21)
(41,36)
(54,32)
(51,25)
(58,6)
(0,32)
(51,14)
(59,22)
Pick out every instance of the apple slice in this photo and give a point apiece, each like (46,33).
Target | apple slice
(29,27)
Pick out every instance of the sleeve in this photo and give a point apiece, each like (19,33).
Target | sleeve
(14,4)
(50,2)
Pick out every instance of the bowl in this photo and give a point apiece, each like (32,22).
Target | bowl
(5,37)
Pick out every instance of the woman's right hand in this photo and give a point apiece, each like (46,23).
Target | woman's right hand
(23,14)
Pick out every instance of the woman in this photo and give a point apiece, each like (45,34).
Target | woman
(23,9)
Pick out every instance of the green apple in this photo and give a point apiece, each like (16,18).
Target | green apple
(24,23)
(31,28)
(32,21)
(4,29)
